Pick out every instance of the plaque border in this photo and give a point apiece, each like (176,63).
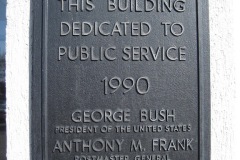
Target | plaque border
(37,94)
(204,80)
(36,19)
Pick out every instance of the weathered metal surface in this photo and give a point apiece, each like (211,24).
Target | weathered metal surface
(120,80)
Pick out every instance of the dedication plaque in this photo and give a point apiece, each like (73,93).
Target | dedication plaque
(120,80)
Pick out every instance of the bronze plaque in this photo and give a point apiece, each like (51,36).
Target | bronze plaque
(120,80)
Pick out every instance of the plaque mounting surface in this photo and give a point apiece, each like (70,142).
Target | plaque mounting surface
(120,81)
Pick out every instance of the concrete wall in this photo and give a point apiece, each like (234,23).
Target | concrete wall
(225,71)
(222,78)
(236,81)
(17,78)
